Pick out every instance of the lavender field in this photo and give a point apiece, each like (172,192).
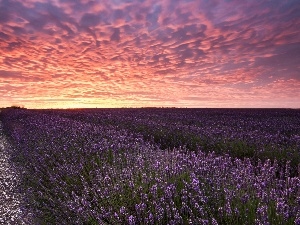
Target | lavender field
(158,166)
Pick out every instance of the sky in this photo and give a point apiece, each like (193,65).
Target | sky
(150,53)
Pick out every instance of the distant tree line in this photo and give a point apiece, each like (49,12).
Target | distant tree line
(16,107)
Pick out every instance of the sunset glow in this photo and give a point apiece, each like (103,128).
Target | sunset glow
(141,53)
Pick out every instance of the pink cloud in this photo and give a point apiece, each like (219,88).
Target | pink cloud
(114,49)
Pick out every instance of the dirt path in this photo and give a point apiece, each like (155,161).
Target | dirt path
(10,199)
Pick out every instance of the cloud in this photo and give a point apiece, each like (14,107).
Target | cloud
(116,35)
(10,74)
(90,20)
(4,36)
(123,46)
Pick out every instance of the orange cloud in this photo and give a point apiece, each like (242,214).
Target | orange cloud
(188,53)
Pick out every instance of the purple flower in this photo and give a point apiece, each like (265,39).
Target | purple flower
(262,215)
(214,221)
(131,220)
(282,208)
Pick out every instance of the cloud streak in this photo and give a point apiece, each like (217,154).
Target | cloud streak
(189,53)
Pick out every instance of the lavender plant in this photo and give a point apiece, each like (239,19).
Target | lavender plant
(81,170)
(252,133)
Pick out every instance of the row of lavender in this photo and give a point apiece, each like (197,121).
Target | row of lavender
(253,133)
(83,172)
